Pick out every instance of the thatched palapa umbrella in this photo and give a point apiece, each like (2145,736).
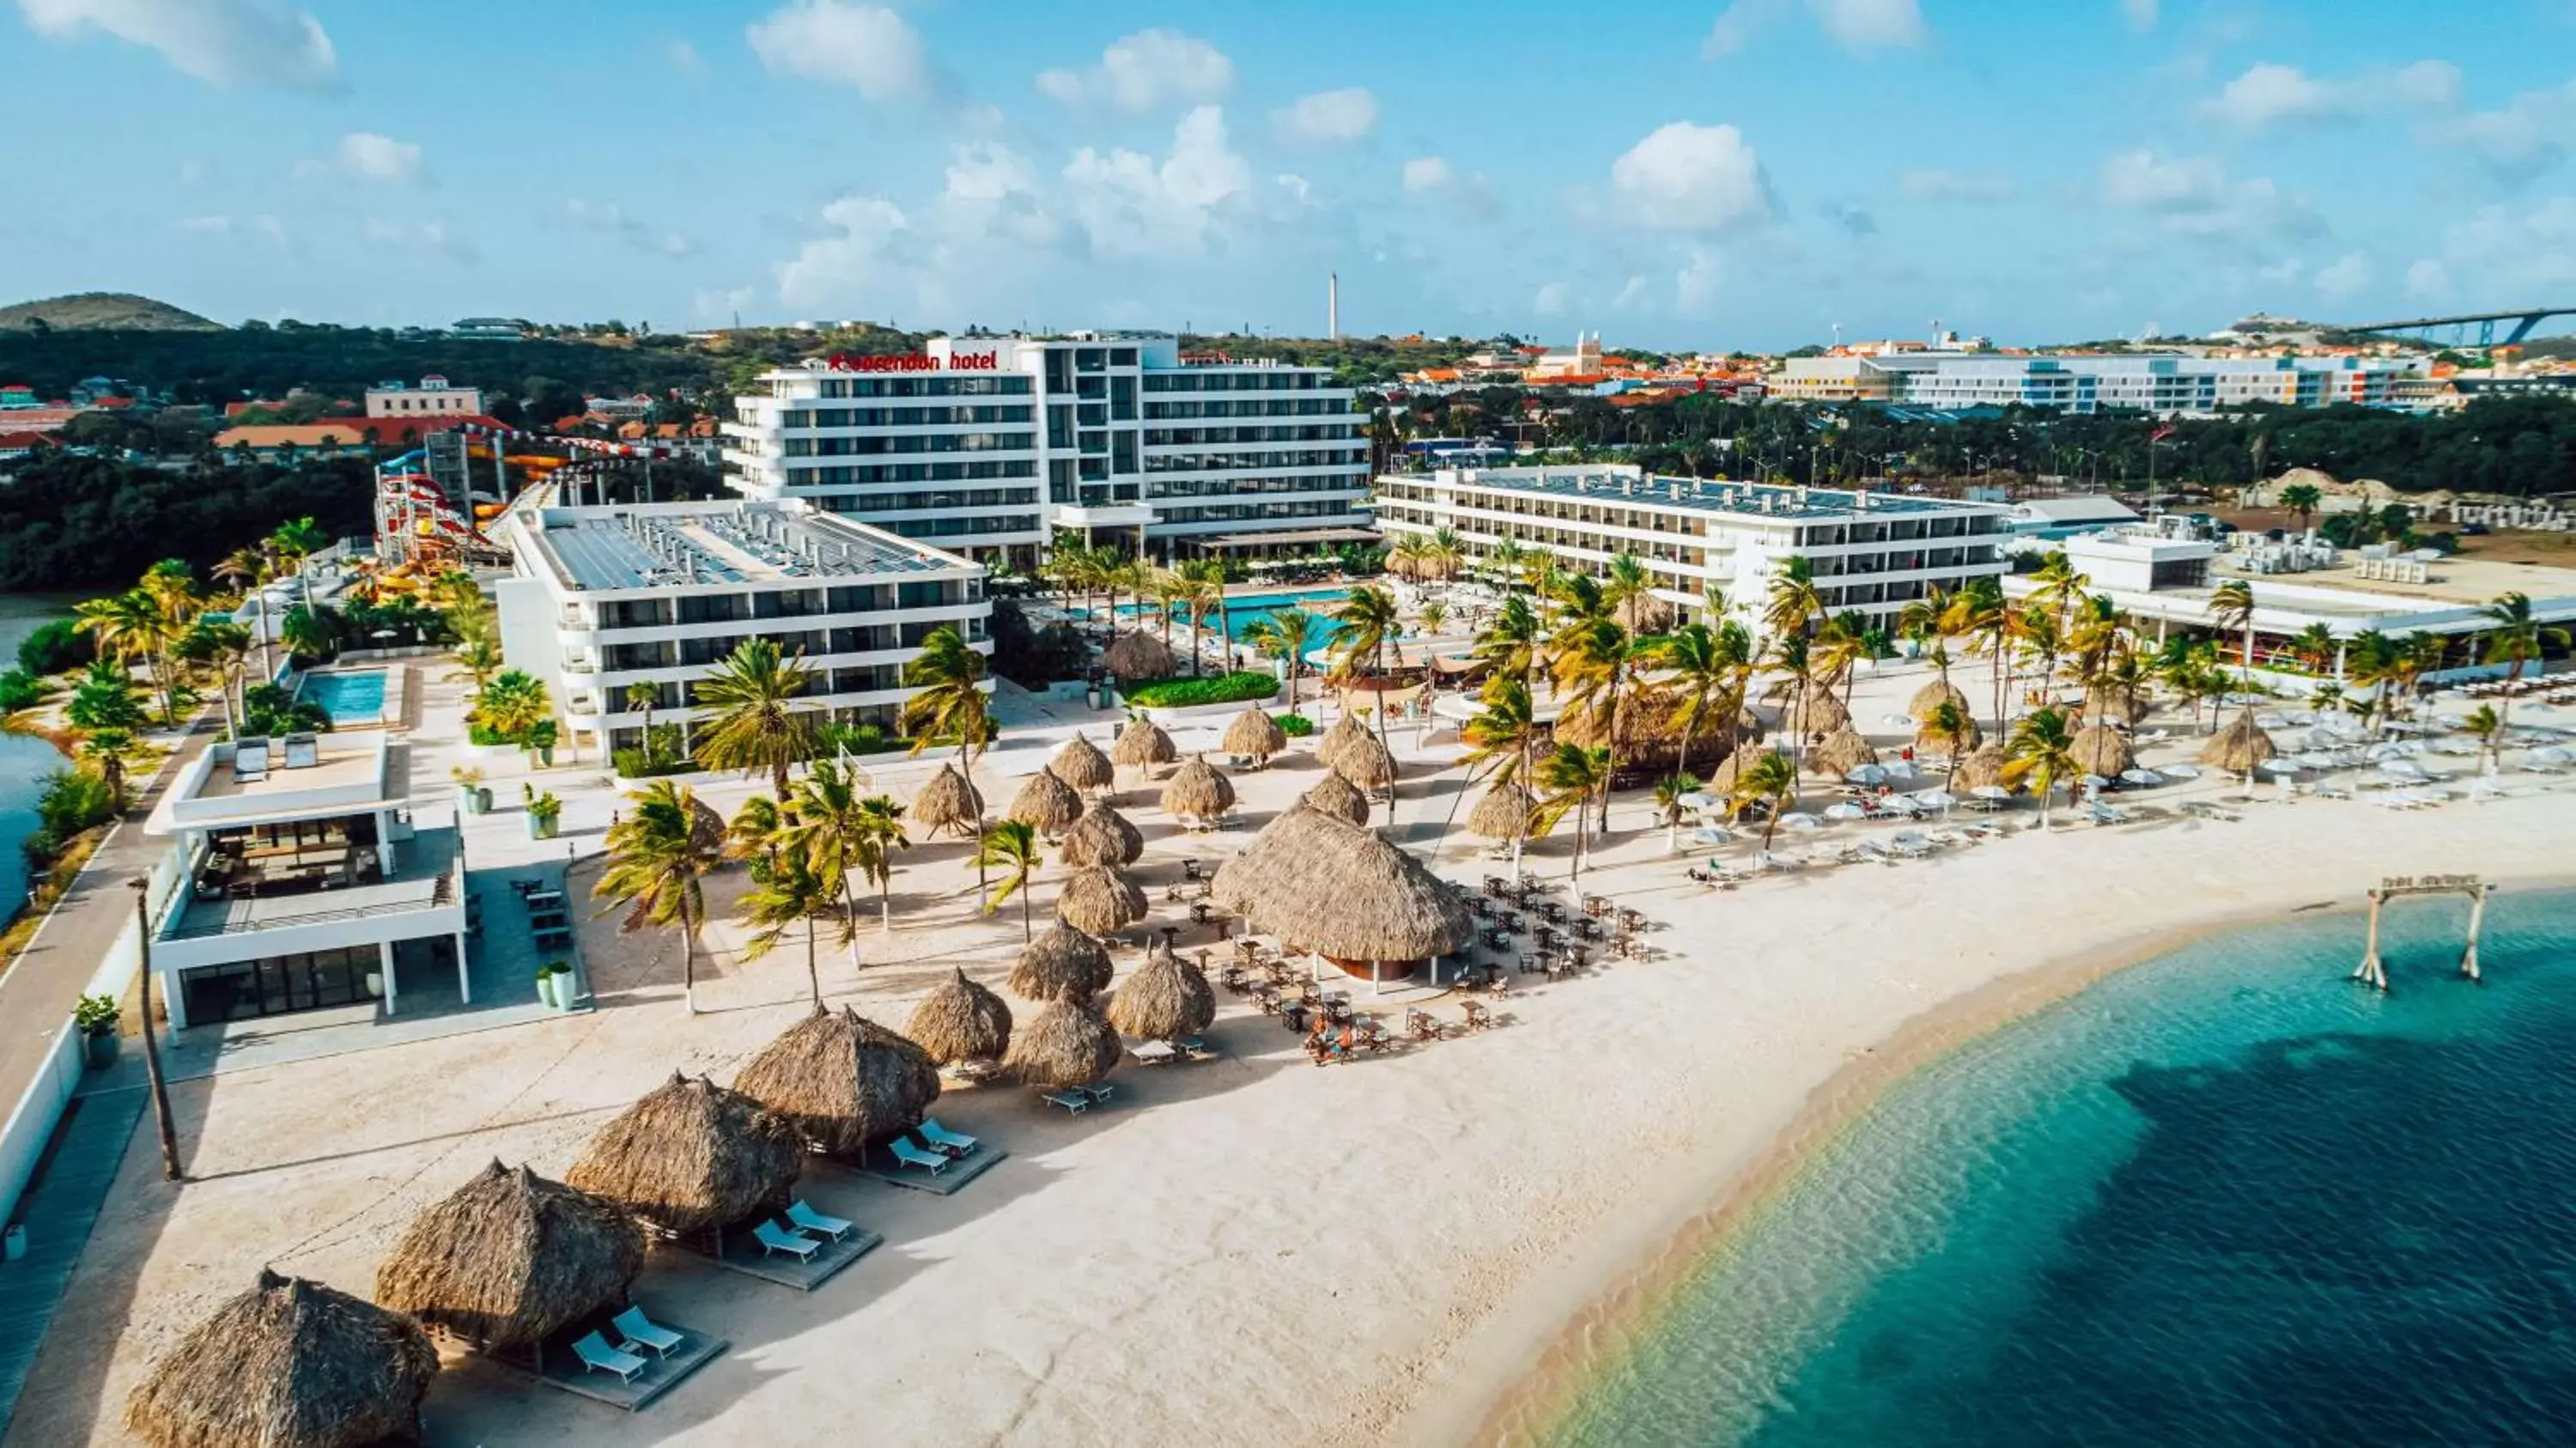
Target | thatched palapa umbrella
(1842,751)
(1334,796)
(1932,696)
(1102,837)
(1142,745)
(1930,740)
(1255,735)
(1824,711)
(1099,900)
(510,1257)
(2240,748)
(1046,802)
(948,802)
(1344,892)
(1366,763)
(1329,746)
(840,1082)
(1984,766)
(1137,655)
(1081,764)
(692,1156)
(2100,749)
(1503,814)
(288,1364)
(1164,1000)
(960,1021)
(1196,791)
(1061,961)
(1069,1044)
(2115,703)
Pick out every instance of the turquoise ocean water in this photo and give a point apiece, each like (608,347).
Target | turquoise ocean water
(2222,1198)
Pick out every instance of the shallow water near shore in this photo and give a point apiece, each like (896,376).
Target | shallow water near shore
(24,759)
(2223,1197)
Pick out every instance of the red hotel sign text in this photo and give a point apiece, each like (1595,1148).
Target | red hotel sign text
(913,362)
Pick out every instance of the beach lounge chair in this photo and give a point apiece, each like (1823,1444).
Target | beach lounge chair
(943,1138)
(640,1331)
(910,1155)
(1098,1091)
(1197,1049)
(802,1214)
(598,1357)
(1074,1102)
(774,1239)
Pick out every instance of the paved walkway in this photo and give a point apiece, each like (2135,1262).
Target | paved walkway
(58,1211)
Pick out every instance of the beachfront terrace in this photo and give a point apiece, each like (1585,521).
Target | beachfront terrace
(285,884)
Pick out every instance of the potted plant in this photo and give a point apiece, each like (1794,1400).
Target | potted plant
(542,739)
(546,985)
(96,1020)
(566,993)
(544,813)
(470,793)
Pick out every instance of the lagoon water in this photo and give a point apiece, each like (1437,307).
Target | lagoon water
(24,760)
(2224,1197)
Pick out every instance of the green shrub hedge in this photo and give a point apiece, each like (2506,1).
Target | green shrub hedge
(1295,726)
(1182,693)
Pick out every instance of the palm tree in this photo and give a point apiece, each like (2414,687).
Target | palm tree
(2040,753)
(127,627)
(1595,673)
(109,749)
(2301,499)
(881,833)
(1949,726)
(1212,572)
(1924,622)
(1626,582)
(1286,634)
(1713,667)
(1433,614)
(1363,626)
(792,891)
(2314,647)
(2056,584)
(1794,600)
(1571,775)
(1198,599)
(1168,588)
(1509,645)
(1503,561)
(241,568)
(1011,845)
(1840,644)
(1791,659)
(755,724)
(823,829)
(2487,727)
(1500,737)
(2371,667)
(1410,555)
(479,658)
(1448,552)
(2231,608)
(1669,807)
(757,834)
(2517,639)
(657,853)
(1770,781)
(1979,613)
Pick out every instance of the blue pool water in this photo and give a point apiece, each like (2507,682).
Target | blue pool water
(2223,1198)
(1240,612)
(352,698)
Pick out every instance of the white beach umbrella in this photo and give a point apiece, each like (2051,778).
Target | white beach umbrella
(1699,799)
(1846,810)
(2404,769)
(1991,791)
(2274,721)
(1897,721)
(1712,835)
(1867,774)
(2455,746)
(2304,716)
(2554,754)
(1801,821)
(1934,799)
(2316,759)
(2281,768)
(2096,783)
(2141,777)
(2181,771)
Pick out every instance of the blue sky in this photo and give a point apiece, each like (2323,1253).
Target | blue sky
(1725,174)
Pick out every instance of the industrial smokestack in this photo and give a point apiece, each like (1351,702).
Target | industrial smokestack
(1333,306)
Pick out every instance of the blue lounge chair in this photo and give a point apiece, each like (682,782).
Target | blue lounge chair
(910,1155)
(802,1214)
(643,1332)
(598,1357)
(775,1239)
(1098,1091)
(940,1136)
(1074,1102)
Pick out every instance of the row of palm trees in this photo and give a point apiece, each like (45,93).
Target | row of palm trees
(1190,592)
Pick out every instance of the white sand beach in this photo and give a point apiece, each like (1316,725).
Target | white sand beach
(1250,1250)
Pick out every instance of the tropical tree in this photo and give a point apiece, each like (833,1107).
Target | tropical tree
(1571,776)
(657,853)
(1949,726)
(1434,614)
(220,649)
(1712,666)
(757,834)
(130,627)
(2517,639)
(1364,624)
(1770,781)
(2231,608)
(478,658)
(104,699)
(310,631)
(1595,674)
(948,705)
(2040,754)
(1286,634)
(1625,583)
(792,892)
(2314,647)
(1509,645)
(241,568)
(110,750)
(2302,499)
(1669,808)
(511,706)
(1503,561)
(1924,622)
(1837,650)
(1794,601)
(1198,599)
(754,723)
(2486,726)
(1011,846)
(1791,658)
(1500,738)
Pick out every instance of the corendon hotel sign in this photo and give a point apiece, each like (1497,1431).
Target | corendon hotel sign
(913,362)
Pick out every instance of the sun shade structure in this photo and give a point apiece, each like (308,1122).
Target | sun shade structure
(1333,795)
(2240,748)
(948,802)
(2100,749)
(1046,802)
(1984,766)
(1333,741)
(1164,1000)
(288,1364)
(1062,961)
(1069,1044)
(510,1257)
(1136,654)
(1503,814)
(1196,791)
(1929,740)
(839,1082)
(1253,733)
(1650,730)
(1102,837)
(1342,891)
(960,1021)
(692,1156)
(1142,745)
(2115,704)
(1099,900)
(1932,696)
(1081,764)
(1366,763)
(1824,711)
(1843,751)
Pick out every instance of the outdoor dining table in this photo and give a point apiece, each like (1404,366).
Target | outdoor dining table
(1594,905)
(1199,912)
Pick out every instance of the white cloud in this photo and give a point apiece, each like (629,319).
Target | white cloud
(1735,26)
(1552,299)
(2142,180)
(1695,286)
(862,259)
(608,216)
(1955,186)
(268,228)
(432,236)
(1129,203)
(1632,295)
(228,42)
(991,192)
(367,156)
(2514,251)
(2345,276)
(1333,117)
(868,48)
(1686,177)
(2269,93)
(2525,137)
(1143,71)
(684,58)
(207,225)
(2196,197)
(2141,14)
(1427,173)
(2427,279)
(1855,25)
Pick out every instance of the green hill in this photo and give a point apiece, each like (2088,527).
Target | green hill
(103,312)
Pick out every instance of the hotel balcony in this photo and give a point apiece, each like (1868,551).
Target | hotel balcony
(247,900)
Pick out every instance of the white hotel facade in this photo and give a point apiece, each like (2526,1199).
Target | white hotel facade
(2164,385)
(1871,551)
(986,445)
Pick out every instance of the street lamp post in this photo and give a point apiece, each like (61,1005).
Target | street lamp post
(142,887)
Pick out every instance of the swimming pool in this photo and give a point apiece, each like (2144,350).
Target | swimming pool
(1241,611)
(349,698)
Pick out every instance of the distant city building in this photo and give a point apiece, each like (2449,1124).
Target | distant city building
(2157,383)
(433,396)
(613,410)
(486,329)
(17,396)
(990,444)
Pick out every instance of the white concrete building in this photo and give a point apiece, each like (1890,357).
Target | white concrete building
(303,883)
(988,444)
(434,397)
(656,594)
(1870,551)
(2162,384)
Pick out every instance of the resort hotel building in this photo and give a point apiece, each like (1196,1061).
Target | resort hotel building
(1871,551)
(986,445)
(296,881)
(2156,383)
(612,606)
